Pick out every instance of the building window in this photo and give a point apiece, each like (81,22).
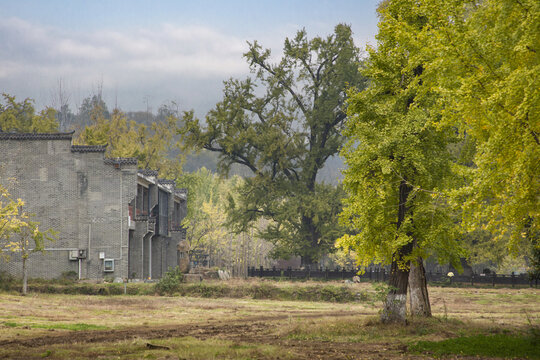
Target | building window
(176,214)
(142,200)
(163,219)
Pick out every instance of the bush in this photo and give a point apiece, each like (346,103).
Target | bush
(7,282)
(69,277)
(170,283)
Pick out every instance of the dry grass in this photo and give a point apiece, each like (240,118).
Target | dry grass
(265,328)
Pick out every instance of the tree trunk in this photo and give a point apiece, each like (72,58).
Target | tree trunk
(25,275)
(309,256)
(418,290)
(395,307)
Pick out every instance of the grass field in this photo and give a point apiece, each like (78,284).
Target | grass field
(466,323)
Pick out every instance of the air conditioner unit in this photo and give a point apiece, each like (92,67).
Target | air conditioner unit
(73,254)
(108,265)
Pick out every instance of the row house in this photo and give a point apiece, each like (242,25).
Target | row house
(112,219)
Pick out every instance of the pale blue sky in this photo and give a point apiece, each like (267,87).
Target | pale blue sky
(155,50)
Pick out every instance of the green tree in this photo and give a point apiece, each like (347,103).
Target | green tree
(283,125)
(21,117)
(483,59)
(398,164)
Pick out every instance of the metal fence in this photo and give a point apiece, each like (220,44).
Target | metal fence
(381,274)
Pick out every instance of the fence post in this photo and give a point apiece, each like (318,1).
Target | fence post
(493,280)
(513,279)
(472,279)
(326,273)
(308,271)
(343,273)
(384,275)
(261,271)
(289,269)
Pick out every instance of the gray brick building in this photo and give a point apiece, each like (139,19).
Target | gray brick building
(112,219)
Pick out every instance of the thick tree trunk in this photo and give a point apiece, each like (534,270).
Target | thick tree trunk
(395,307)
(309,257)
(25,276)
(418,290)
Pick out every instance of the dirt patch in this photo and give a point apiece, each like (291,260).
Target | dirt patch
(248,330)
(244,327)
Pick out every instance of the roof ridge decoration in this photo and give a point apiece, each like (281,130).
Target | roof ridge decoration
(36,136)
(120,161)
(88,148)
(166,182)
(148,172)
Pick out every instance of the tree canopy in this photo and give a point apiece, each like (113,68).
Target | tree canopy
(21,117)
(150,144)
(283,125)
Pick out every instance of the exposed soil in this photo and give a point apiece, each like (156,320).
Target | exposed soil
(248,330)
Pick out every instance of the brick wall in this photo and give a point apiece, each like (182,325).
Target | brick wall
(75,192)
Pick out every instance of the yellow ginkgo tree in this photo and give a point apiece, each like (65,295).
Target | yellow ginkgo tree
(18,234)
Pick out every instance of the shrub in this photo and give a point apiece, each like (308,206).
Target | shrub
(7,282)
(170,283)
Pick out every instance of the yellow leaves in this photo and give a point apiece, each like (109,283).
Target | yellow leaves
(16,230)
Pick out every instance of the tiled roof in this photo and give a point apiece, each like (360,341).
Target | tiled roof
(88,148)
(166,182)
(180,191)
(148,172)
(36,136)
(121,161)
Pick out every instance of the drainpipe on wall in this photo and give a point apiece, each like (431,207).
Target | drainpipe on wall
(150,257)
(88,254)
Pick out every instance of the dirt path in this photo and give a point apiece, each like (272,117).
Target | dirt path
(250,330)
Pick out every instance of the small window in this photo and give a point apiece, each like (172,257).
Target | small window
(108,265)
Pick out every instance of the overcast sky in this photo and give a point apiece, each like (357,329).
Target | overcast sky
(153,51)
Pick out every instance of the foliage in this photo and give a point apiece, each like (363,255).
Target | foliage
(10,221)
(170,282)
(283,126)
(150,144)
(17,232)
(482,60)
(21,117)
(205,218)
(205,223)
(398,160)
(498,345)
